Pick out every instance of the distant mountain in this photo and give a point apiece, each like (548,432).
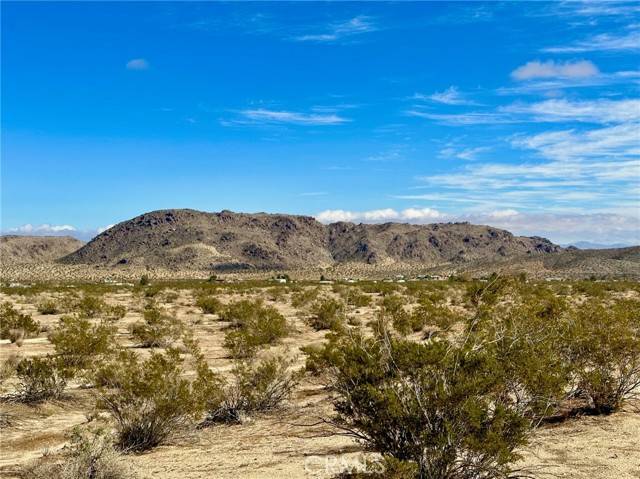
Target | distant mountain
(228,241)
(590,245)
(16,249)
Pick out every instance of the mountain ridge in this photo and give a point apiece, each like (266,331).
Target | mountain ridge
(228,241)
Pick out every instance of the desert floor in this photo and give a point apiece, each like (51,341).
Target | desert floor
(289,443)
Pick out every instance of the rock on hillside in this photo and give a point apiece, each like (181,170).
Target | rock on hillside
(189,239)
(36,249)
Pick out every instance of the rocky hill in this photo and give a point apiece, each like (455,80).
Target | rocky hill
(227,241)
(35,249)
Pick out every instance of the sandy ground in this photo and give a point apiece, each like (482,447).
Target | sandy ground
(286,444)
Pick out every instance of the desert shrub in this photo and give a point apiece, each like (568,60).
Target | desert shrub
(256,386)
(209,304)
(604,346)
(527,342)
(15,325)
(90,306)
(356,298)
(157,330)
(48,306)
(78,343)
(151,399)
(144,280)
(40,378)
(304,297)
(487,292)
(433,406)
(430,314)
(88,456)
(114,313)
(8,368)
(277,293)
(327,314)
(253,325)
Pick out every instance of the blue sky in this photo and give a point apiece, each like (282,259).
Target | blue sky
(520,115)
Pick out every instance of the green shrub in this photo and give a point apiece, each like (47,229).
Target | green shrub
(8,368)
(90,306)
(151,399)
(158,330)
(78,343)
(48,307)
(40,378)
(304,297)
(15,325)
(253,325)
(114,313)
(256,387)
(144,280)
(327,314)
(434,406)
(209,304)
(605,349)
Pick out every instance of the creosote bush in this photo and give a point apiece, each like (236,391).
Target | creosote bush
(15,325)
(253,325)
(90,306)
(89,456)
(605,349)
(40,378)
(78,343)
(151,399)
(256,386)
(209,304)
(158,330)
(48,306)
(327,314)
(433,406)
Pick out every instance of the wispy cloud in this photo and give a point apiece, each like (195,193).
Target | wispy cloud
(551,111)
(601,42)
(137,64)
(340,30)
(551,69)
(467,154)
(450,96)
(314,193)
(265,116)
(554,85)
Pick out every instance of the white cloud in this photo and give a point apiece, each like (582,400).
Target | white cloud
(554,110)
(467,154)
(601,42)
(44,229)
(450,96)
(272,116)
(592,111)
(559,227)
(419,215)
(551,69)
(105,228)
(337,31)
(138,64)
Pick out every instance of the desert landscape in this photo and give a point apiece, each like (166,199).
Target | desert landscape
(320,240)
(264,336)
